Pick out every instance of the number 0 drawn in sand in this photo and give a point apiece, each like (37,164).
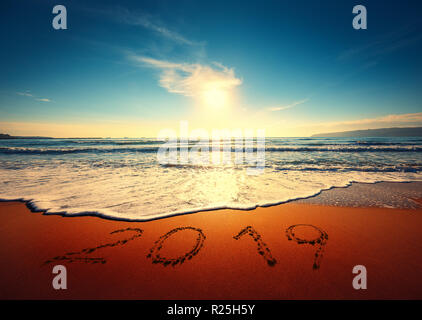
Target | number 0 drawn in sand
(319,242)
(262,248)
(76,256)
(154,252)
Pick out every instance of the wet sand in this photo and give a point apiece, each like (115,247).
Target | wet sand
(225,254)
(402,195)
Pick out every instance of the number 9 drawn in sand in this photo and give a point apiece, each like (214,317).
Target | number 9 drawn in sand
(154,252)
(319,241)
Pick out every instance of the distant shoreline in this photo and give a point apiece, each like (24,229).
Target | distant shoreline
(369,133)
(4,136)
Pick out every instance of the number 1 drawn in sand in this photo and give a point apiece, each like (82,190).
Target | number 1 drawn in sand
(262,248)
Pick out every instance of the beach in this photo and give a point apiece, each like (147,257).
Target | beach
(211,150)
(220,254)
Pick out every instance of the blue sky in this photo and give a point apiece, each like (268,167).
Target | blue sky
(292,67)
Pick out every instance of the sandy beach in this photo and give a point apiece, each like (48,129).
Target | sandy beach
(224,254)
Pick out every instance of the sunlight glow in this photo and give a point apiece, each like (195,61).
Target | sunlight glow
(215,97)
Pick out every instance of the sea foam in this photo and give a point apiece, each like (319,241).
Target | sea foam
(121,178)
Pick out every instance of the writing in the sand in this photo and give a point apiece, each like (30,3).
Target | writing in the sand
(292,234)
(154,252)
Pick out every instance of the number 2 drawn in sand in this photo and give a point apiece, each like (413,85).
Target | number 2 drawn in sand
(76,256)
(262,248)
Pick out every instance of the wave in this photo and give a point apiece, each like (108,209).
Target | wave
(57,151)
(344,149)
(40,206)
(50,151)
(376,143)
(114,142)
(386,169)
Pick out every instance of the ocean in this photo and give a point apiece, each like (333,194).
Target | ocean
(122,179)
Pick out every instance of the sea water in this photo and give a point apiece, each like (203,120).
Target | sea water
(122,179)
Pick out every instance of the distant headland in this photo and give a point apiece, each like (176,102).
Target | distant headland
(8,136)
(4,136)
(384,132)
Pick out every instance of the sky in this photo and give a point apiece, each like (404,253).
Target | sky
(293,68)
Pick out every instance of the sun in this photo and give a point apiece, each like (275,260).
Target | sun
(215,97)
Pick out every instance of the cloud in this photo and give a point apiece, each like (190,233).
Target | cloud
(302,128)
(386,44)
(388,119)
(28,94)
(124,15)
(279,108)
(192,80)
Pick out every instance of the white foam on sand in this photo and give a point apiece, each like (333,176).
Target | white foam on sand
(149,193)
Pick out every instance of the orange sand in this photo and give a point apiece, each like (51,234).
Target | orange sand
(387,241)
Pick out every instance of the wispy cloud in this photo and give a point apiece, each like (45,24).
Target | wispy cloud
(26,94)
(279,108)
(192,79)
(29,94)
(306,128)
(144,20)
(388,119)
(384,45)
